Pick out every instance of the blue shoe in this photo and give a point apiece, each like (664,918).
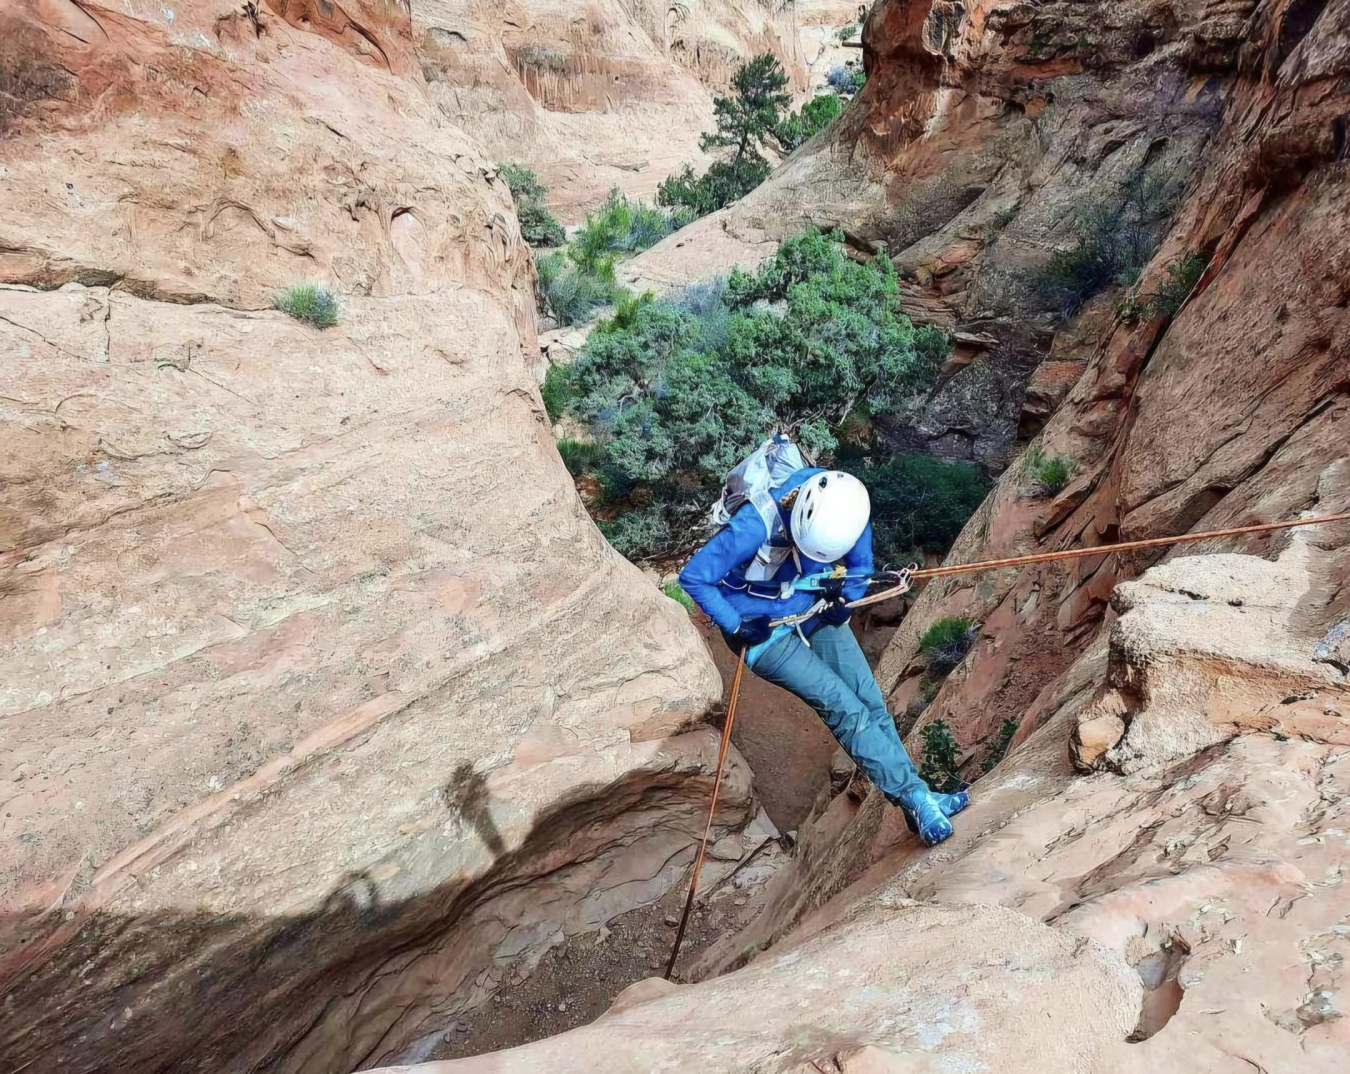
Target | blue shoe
(928,821)
(952,804)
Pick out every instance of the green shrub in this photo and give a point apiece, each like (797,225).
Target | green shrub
(570,294)
(522,182)
(1182,277)
(1112,242)
(556,391)
(538,226)
(999,747)
(577,455)
(641,530)
(676,392)
(946,642)
(815,115)
(928,688)
(313,303)
(848,32)
(938,766)
(724,182)
(746,120)
(1050,472)
(676,593)
(919,504)
(619,227)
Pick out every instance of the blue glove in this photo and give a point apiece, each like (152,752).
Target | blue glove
(750,633)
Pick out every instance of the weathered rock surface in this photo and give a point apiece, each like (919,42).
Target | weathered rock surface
(1206,647)
(596,94)
(321,699)
(1234,409)
(895,987)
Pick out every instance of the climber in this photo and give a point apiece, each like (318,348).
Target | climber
(773,533)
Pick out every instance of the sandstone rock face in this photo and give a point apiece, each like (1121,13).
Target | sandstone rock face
(1206,647)
(896,987)
(321,699)
(1208,849)
(1231,410)
(597,94)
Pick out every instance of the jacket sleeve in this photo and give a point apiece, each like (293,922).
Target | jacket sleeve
(732,545)
(859,561)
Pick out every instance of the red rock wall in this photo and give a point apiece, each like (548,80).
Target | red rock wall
(1232,411)
(322,702)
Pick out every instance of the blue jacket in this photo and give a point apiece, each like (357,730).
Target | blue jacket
(715,576)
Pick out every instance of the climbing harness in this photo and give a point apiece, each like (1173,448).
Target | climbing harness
(901,581)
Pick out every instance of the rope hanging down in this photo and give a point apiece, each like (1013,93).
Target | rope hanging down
(712,808)
(905,578)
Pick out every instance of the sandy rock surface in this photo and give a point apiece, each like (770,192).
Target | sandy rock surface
(321,698)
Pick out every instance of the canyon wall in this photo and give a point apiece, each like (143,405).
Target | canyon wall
(594,95)
(1178,791)
(321,699)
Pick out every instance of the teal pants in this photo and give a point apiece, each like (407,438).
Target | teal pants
(832,676)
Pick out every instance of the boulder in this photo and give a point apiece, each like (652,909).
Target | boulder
(1205,648)
(323,701)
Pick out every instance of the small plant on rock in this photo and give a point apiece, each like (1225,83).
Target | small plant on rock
(1181,279)
(1050,473)
(946,642)
(569,293)
(577,455)
(928,689)
(541,57)
(556,391)
(538,226)
(938,765)
(313,303)
(1112,242)
(999,747)
(676,593)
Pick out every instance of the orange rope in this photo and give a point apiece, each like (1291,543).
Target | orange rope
(712,808)
(1076,553)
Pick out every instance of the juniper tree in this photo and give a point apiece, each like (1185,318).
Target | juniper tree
(748,119)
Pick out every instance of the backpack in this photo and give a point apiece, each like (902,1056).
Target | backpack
(753,481)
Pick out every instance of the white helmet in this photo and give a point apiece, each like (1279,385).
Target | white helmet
(830,514)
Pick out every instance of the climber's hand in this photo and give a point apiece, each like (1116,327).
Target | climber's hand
(832,589)
(837,613)
(752,631)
